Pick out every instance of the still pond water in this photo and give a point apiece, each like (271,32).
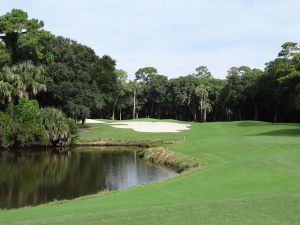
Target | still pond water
(39,177)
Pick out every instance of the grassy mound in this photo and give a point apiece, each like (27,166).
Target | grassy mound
(175,161)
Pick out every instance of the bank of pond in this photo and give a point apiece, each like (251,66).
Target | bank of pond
(30,178)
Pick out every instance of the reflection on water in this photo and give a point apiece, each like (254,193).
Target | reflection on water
(38,177)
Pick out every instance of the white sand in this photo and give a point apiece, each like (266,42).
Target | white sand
(93,121)
(154,127)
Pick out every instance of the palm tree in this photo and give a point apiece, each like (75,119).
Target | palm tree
(23,80)
(204,105)
(6,91)
(30,79)
(56,125)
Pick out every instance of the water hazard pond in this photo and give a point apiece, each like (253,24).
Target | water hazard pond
(43,176)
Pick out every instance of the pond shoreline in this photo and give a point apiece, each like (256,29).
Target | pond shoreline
(140,143)
(154,153)
(100,143)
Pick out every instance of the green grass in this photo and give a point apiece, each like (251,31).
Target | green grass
(252,176)
(107,132)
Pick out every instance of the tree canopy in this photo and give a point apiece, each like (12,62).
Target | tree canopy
(24,38)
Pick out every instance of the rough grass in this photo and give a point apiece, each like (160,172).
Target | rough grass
(252,176)
(175,161)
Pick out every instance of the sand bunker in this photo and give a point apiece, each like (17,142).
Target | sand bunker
(154,127)
(93,121)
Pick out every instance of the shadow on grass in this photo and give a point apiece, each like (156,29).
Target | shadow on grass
(251,123)
(282,132)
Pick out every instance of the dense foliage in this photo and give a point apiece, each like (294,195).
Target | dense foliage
(23,39)
(81,83)
(26,124)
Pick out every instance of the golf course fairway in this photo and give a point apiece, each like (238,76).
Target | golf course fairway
(250,175)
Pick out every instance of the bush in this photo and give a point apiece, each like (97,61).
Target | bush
(58,128)
(28,128)
(6,130)
(73,134)
(26,125)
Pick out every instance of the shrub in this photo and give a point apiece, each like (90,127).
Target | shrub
(26,125)
(58,128)
(73,134)
(28,128)
(6,130)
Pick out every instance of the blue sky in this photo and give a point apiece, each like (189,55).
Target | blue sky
(174,36)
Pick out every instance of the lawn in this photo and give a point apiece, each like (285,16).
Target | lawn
(252,176)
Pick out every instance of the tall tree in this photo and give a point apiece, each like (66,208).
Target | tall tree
(121,88)
(82,83)
(203,72)
(155,92)
(288,49)
(143,73)
(24,38)
(141,77)
(277,71)
(232,94)
(204,105)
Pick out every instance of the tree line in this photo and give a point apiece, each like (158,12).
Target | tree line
(272,94)
(62,74)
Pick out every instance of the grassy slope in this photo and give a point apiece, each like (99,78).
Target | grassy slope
(252,177)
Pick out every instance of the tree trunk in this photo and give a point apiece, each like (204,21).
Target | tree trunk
(152,106)
(134,102)
(201,110)
(120,114)
(159,112)
(195,116)
(12,45)
(239,115)
(275,116)
(113,114)
(114,108)
(204,115)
